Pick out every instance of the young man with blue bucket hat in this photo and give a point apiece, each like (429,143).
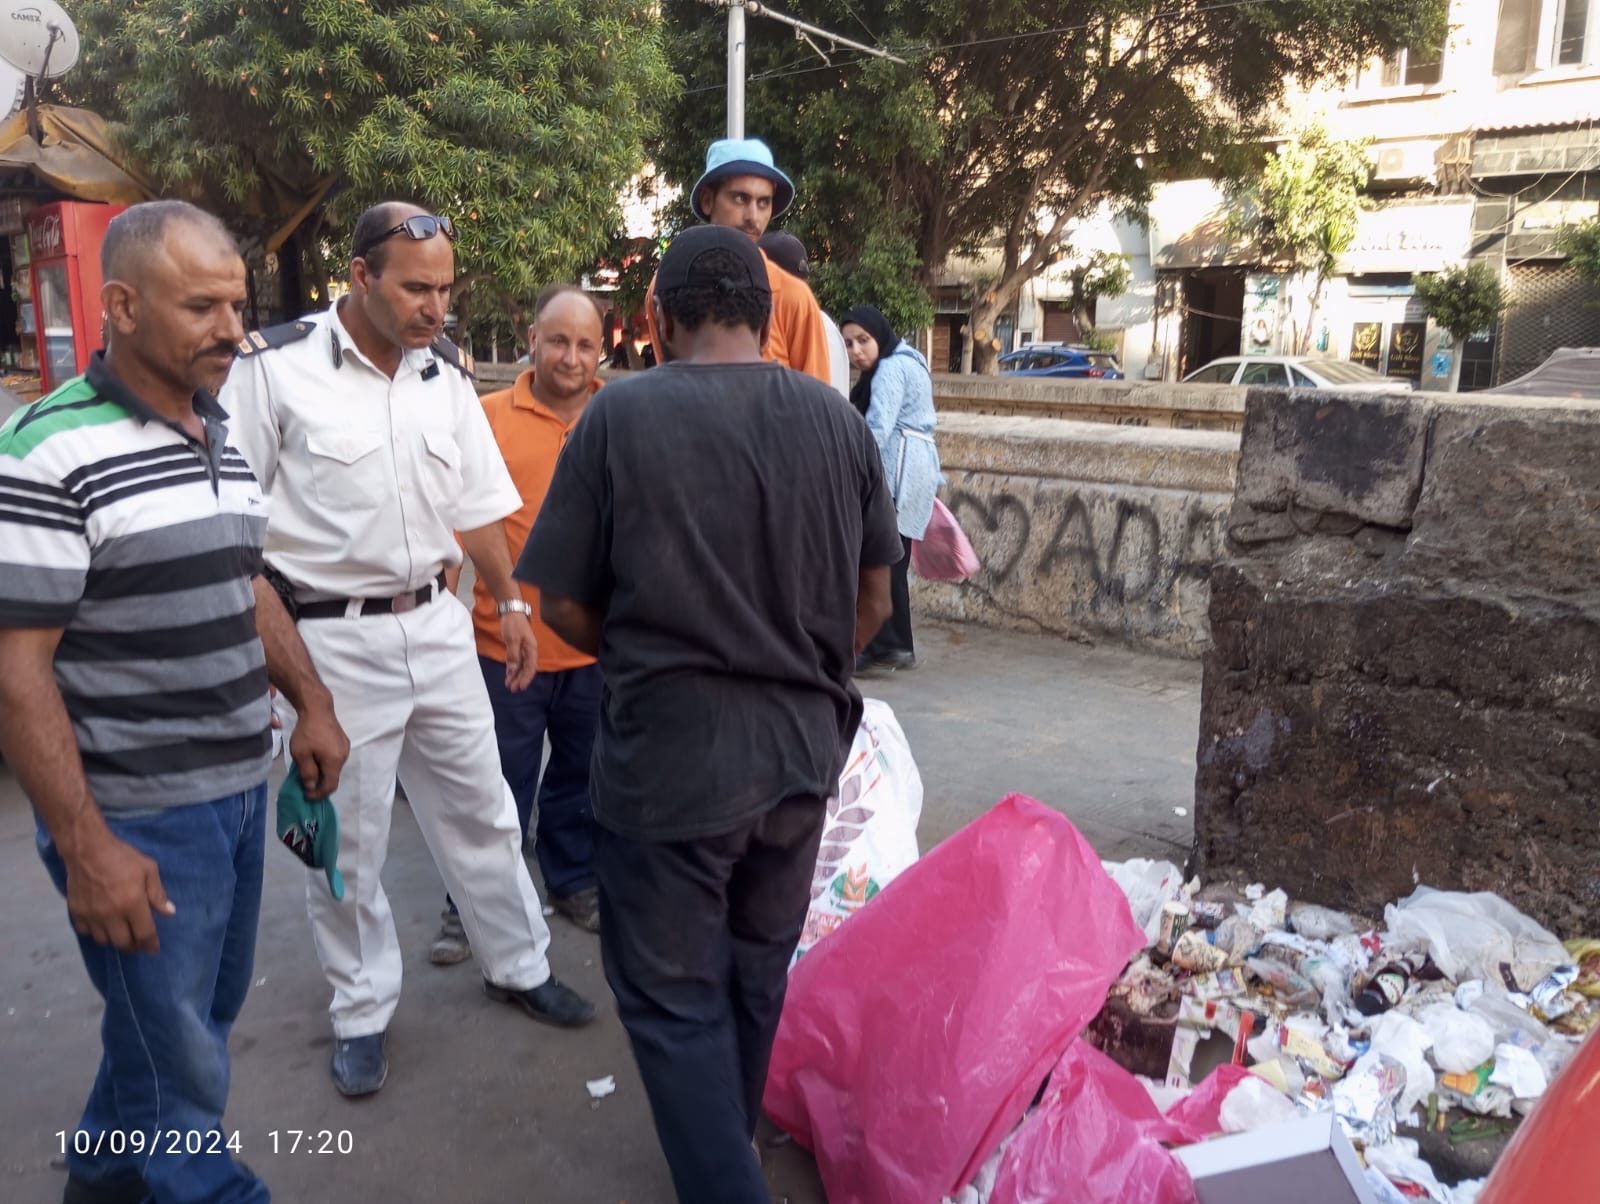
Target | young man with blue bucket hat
(742,188)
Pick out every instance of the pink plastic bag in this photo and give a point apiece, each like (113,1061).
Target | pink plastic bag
(1098,1137)
(915,1037)
(944,553)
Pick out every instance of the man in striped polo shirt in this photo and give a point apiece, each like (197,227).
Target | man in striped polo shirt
(136,646)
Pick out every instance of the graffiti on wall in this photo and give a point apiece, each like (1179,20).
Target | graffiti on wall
(1112,558)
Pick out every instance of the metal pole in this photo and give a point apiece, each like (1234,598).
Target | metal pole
(736,69)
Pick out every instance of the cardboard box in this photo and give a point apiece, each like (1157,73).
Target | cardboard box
(1308,1161)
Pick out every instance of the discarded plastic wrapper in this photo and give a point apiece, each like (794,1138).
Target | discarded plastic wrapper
(1203,914)
(1364,1100)
(1218,984)
(1461,1040)
(1307,1050)
(1098,1131)
(1471,1083)
(1401,1039)
(1320,923)
(1549,997)
(1254,1104)
(1519,1072)
(1146,987)
(600,1088)
(896,1109)
(1148,885)
(1587,954)
(1288,987)
(1204,951)
(1269,912)
(870,836)
(1477,936)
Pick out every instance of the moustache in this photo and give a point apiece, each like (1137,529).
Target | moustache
(220,349)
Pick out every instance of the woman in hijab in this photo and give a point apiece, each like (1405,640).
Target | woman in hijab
(895,394)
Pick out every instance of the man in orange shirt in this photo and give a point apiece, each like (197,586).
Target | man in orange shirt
(531,422)
(743,188)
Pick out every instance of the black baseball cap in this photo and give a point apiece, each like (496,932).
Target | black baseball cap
(787,251)
(678,266)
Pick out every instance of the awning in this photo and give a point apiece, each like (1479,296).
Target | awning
(1570,372)
(77,156)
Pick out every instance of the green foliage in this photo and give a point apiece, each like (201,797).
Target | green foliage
(1464,301)
(884,275)
(1095,341)
(1006,109)
(1581,245)
(1303,208)
(522,118)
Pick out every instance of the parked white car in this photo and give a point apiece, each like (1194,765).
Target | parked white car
(1297,371)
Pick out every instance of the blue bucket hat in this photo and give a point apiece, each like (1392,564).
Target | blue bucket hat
(729,157)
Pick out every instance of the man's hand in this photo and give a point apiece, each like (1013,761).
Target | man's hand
(112,891)
(522,650)
(319,749)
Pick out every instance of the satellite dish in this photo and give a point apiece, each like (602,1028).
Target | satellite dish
(11,87)
(37,38)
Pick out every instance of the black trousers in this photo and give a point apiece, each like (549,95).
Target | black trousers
(895,635)
(696,936)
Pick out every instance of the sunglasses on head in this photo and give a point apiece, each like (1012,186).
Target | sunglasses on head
(419,228)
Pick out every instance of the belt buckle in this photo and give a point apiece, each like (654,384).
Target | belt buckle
(404,603)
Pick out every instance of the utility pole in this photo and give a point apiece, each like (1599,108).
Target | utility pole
(736,68)
(736,73)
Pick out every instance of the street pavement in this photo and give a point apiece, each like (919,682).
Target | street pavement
(482,1104)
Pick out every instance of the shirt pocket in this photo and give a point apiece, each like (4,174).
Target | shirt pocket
(346,470)
(441,470)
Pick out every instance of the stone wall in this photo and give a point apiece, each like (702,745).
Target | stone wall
(1085,530)
(1170,406)
(1405,681)
(1165,405)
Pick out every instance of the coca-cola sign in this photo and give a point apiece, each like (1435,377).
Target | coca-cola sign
(44,236)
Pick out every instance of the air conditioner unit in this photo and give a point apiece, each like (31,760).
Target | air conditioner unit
(1405,161)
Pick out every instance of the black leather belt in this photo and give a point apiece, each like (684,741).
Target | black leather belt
(337,608)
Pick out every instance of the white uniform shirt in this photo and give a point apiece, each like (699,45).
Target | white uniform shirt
(370,477)
(838,358)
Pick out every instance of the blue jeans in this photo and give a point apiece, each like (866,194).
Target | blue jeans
(567,706)
(164,1034)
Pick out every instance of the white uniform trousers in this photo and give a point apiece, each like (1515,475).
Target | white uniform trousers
(408,691)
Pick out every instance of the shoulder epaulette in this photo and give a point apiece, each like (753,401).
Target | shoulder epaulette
(455,357)
(274,336)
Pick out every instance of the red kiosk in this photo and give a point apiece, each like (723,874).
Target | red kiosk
(64,248)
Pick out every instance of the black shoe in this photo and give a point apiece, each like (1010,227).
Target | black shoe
(359,1065)
(122,1189)
(551,1002)
(895,661)
(582,907)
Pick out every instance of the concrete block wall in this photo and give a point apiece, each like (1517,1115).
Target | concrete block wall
(1086,530)
(1404,684)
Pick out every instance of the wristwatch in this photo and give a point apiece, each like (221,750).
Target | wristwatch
(515,606)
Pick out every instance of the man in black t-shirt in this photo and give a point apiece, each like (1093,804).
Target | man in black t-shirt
(719,533)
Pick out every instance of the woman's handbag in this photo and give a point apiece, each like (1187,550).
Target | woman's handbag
(944,553)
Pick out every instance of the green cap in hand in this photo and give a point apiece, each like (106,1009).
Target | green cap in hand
(310,830)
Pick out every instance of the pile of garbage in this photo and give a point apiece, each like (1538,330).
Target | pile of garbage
(1457,1012)
(1010,1020)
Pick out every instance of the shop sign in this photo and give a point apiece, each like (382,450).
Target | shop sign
(1410,238)
(1405,349)
(1366,344)
(1189,228)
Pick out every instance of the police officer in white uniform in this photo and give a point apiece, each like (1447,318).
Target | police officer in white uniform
(363,425)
